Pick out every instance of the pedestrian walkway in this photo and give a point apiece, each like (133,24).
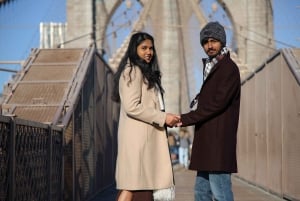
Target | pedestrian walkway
(184,180)
(242,191)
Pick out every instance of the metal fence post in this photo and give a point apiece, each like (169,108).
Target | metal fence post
(12,160)
(50,162)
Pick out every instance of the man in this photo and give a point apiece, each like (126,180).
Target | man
(215,114)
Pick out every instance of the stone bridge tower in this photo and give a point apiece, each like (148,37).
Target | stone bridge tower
(251,28)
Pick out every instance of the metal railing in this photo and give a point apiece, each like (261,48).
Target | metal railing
(75,160)
(31,160)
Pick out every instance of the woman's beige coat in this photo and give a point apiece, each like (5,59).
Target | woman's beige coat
(143,160)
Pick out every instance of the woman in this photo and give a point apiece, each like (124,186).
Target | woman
(143,161)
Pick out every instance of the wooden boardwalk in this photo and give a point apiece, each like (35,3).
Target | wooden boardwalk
(184,180)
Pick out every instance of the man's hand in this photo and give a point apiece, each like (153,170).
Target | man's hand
(179,124)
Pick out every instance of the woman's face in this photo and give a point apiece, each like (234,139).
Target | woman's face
(145,50)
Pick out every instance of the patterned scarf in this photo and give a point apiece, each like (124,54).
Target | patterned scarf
(210,63)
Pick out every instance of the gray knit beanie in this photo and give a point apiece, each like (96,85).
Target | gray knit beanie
(213,30)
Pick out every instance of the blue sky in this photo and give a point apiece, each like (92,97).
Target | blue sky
(19,27)
(286,22)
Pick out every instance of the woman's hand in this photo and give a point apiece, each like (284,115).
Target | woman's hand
(172,119)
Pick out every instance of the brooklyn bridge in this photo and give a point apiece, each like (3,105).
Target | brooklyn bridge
(58,124)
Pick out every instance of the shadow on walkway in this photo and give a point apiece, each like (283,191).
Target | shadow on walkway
(108,194)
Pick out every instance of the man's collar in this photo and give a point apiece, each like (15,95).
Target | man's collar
(219,56)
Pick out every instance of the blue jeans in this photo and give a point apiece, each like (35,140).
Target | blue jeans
(184,156)
(213,186)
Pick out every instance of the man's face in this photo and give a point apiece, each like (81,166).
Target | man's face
(212,47)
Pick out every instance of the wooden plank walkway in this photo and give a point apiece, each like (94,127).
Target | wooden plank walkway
(184,180)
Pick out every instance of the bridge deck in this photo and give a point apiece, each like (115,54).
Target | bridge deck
(184,189)
(242,191)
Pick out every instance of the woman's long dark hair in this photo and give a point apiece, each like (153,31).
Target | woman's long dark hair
(151,72)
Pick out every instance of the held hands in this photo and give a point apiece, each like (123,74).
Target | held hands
(172,120)
(178,124)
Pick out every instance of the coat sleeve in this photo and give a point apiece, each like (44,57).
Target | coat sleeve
(131,99)
(216,100)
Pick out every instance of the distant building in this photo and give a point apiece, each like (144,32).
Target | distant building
(52,35)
